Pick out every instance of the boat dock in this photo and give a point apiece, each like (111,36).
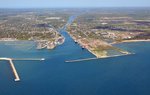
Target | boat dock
(13,67)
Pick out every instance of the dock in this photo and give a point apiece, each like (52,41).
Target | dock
(17,78)
(94,58)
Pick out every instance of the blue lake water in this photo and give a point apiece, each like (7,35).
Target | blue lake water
(125,75)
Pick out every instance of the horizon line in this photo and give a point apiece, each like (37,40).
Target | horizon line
(73,7)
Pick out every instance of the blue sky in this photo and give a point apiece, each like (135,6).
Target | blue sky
(72,3)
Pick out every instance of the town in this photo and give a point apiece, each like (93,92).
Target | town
(37,25)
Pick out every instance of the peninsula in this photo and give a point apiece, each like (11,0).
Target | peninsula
(98,31)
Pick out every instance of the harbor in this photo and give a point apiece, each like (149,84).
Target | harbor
(88,75)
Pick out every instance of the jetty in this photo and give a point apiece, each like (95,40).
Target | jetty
(28,59)
(17,78)
(93,58)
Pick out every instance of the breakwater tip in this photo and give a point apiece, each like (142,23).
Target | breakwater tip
(42,59)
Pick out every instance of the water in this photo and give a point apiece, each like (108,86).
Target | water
(125,75)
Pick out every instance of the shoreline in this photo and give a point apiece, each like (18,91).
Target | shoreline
(38,43)
(103,54)
(10,40)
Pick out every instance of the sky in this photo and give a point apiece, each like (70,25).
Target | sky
(72,3)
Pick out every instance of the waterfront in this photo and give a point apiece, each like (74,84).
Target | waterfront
(125,75)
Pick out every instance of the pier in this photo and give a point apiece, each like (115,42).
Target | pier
(14,71)
(28,59)
(17,78)
(87,59)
